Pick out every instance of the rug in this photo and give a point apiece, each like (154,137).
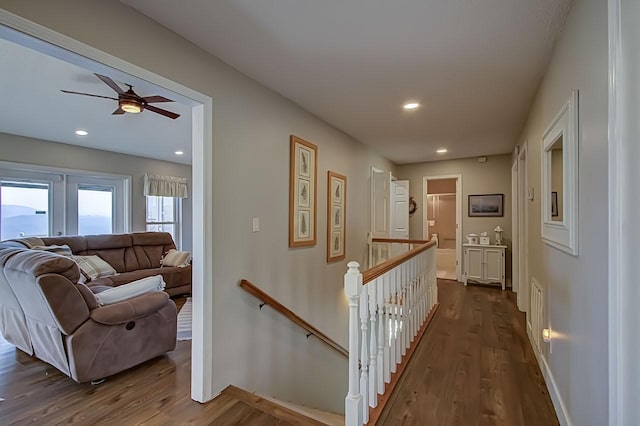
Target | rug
(184,321)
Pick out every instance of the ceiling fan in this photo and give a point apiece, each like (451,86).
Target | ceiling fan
(129,101)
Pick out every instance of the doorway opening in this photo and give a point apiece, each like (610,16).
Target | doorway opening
(24,33)
(442,222)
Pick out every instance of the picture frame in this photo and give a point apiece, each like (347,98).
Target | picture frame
(303,172)
(554,204)
(486,205)
(336,216)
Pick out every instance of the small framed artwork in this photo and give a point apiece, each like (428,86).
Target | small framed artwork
(336,216)
(554,204)
(486,205)
(303,165)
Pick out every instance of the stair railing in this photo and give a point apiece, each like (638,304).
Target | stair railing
(390,306)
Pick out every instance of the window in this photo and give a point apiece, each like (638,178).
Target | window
(163,215)
(95,209)
(24,209)
(42,201)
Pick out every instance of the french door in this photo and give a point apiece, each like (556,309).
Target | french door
(41,204)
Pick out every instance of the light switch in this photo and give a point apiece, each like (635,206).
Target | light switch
(256,224)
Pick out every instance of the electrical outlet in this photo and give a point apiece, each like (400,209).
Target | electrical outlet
(256,224)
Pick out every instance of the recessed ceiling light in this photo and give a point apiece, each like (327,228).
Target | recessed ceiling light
(442,151)
(81,132)
(411,105)
(179,152)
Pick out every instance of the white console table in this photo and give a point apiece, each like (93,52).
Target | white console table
(484,263)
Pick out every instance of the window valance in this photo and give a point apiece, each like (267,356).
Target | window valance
(165,186)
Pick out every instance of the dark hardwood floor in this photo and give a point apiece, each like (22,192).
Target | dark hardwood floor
(474,366)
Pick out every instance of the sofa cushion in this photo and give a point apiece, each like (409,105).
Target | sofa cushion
(176,258)
(94,267)
(62,250)
(129,290)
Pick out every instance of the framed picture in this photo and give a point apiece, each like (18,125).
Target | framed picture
(303,170)
(486,205)
(554,204)
(336,216)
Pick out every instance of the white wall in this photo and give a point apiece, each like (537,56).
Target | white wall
(255,350)
(576,289)
(24,150)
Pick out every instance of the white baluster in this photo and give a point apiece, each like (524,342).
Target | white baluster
(398,312)
(387,326)
(393,304)
(364,355)
(405,334)
(373,345)
(353,401)
(380,364)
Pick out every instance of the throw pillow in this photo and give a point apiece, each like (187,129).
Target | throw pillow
(132,289)
(63,250)
(94,267)
(176,258)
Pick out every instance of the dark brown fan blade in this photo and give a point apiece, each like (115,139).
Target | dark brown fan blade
(156,99)
(118,111)
(110,83)
(87,94)
(161,111)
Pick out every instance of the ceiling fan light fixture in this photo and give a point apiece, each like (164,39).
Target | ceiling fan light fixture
(131,106)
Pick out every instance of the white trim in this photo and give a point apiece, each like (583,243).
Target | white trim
(616,408)
(459,234)
(202,170)
(552,387)
(515,211)
(562,235)
(524,285)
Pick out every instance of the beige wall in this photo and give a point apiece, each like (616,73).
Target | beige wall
(19,149)
(576,286)
(256,350)
(442,186)
(492,177)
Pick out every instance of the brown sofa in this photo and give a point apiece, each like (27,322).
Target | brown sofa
(133,256)
(45,311)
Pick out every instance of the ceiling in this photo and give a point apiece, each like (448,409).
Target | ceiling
(473,65)
(34,106)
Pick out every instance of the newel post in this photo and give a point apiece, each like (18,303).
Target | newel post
(353,402)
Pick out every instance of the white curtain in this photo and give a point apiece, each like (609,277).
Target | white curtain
(165,186)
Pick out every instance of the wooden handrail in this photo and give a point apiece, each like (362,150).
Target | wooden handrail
(373,273)
(279,307)
(398,240)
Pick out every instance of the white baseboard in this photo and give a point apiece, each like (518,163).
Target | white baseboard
(556,399)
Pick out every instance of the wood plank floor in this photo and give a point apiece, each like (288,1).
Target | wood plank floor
(474,366)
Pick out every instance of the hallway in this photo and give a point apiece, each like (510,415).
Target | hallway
(474,366)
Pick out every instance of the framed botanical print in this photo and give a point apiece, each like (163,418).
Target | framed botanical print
(303,171)
(336,216)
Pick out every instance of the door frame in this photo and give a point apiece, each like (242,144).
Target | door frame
(515,212)
(524,292)
(36,36)
(425,227)
(624,227)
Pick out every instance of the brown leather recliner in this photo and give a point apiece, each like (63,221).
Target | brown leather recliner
(68,329)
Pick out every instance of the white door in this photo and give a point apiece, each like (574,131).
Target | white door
(474,262)
(400,209)
(493,265)
(379,203)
